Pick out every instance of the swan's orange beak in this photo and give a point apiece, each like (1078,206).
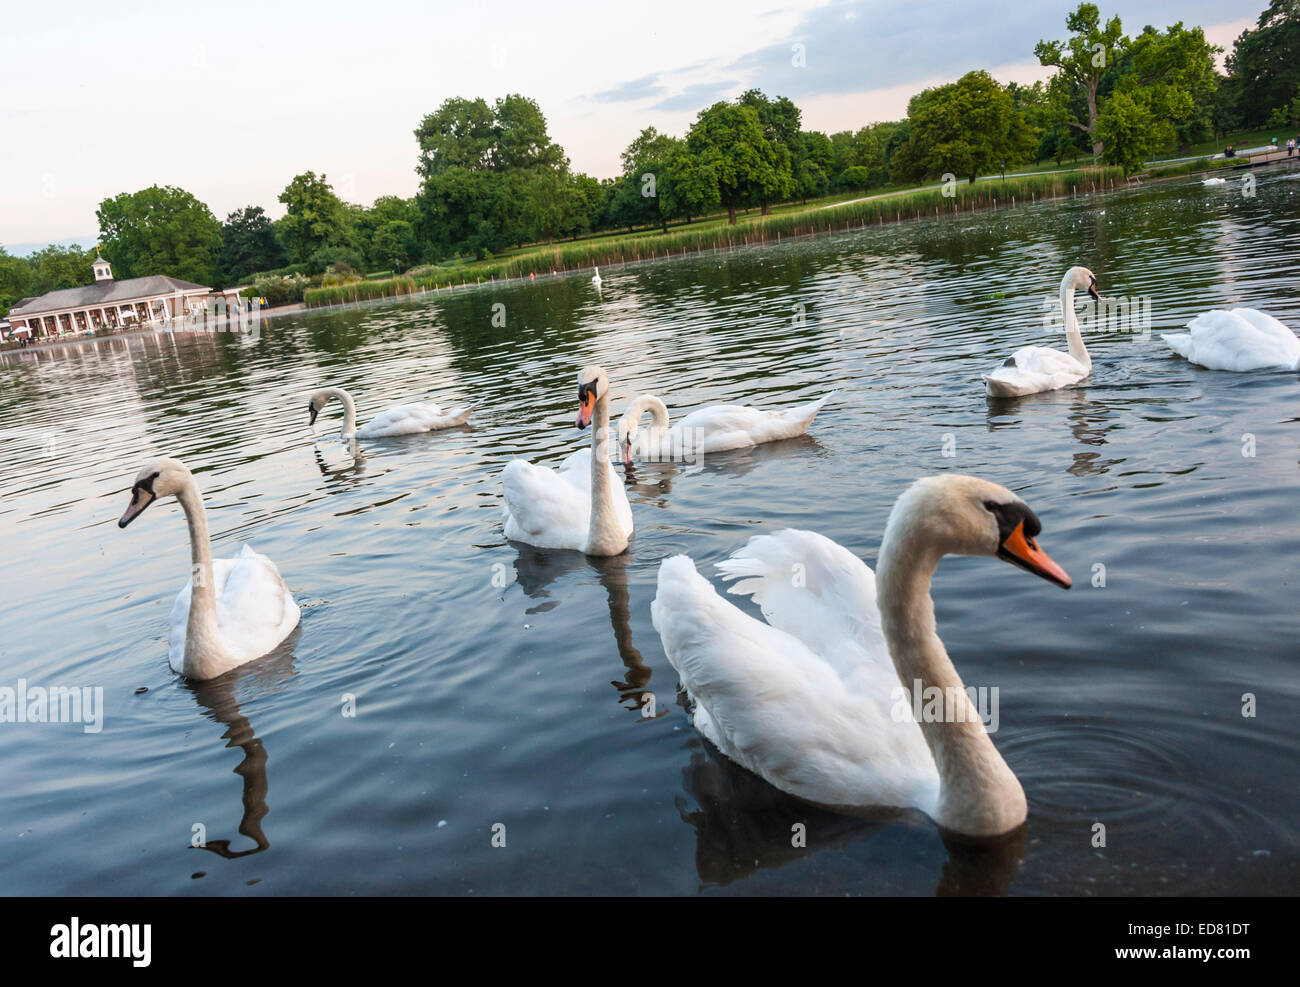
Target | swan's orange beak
(1019,549)
(140,499)
(586,405)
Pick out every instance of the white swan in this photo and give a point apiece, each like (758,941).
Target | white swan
(1242,339)
(1040,368)
(1215,181)
(232,610)
(818,700)
(402,419)
(595,280)
(713,429)
(583,505)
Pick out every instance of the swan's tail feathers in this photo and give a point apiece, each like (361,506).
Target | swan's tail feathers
(804,414)
(461,415)
(1179,342)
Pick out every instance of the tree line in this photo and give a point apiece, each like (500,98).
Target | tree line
(492,179)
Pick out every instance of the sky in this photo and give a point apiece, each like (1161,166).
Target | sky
(231,100)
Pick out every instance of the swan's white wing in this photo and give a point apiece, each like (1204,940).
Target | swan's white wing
(1031,369)
(544,508)
(823,594)
(409,419)
(720,427)
(1241,339)
(771,704)
(255,610)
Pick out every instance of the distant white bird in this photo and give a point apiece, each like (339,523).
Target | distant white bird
(1031,369)
(232,610)
(1215,181)
(1241,339)
(403,419)
(713,429)
(595,281)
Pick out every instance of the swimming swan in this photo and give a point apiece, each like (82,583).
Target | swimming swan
(811,700)
(581,506)
(232,610)
(1242,339)
(402,419)
(713,429)
(1040,368)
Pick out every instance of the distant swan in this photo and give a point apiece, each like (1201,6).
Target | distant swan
(712,429)
(582,506)
(1240,339)
(819,700)
(402,419)
(232,610)
(1031,369)
(595,281)
(1215,181)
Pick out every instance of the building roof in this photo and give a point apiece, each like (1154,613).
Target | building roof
(103,293)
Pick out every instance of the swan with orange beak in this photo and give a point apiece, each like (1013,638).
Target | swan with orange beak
(581,506)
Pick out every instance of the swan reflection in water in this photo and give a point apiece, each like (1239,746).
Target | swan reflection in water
(340,460)
(537,568)
(743,825)
(217,698)
(649,482)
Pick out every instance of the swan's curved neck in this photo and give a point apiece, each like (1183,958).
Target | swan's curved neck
(1072,333)
(604,535)
(638,407)
(203,646)
(978,794)
(349,410)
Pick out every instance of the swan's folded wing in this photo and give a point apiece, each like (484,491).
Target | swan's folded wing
(823,594)
(741,670)
(255,610)
(775,707)
(1242,339)
(543,505)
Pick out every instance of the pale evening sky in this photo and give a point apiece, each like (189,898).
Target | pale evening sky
(231,100)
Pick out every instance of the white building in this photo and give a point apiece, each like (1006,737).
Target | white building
(107,303)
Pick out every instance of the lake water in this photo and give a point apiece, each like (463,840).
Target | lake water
(495,684)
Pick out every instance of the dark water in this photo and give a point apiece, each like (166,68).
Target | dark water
(497,684)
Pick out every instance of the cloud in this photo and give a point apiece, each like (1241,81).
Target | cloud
(629,92)
(699,95)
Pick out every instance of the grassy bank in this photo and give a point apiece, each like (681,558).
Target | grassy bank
(584,254)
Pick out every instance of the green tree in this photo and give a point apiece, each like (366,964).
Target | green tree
(746,166)
(459,134)
(248,244)
(964,128)
(1083,62)
(1265,63)
(15,280)
(315,217)
(160,230)
(56,267)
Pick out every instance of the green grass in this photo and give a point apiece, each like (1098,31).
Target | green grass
(1238,139)
(713,234)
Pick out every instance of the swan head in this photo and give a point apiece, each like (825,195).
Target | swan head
(593,386)
(316,405)
(161,478)
(1081,279)
(964,515)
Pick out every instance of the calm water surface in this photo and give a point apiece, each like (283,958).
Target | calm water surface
(498,684)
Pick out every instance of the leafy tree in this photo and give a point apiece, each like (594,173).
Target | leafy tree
(1083,62)
(56,267)
(728,139)
(394,244)
(248,244)
(1164,75)
(520,139)
(813,162)
(780,120)
(459,134)
(966,127)
(1265,63)
(15,279)
(316,218)
(160,230)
